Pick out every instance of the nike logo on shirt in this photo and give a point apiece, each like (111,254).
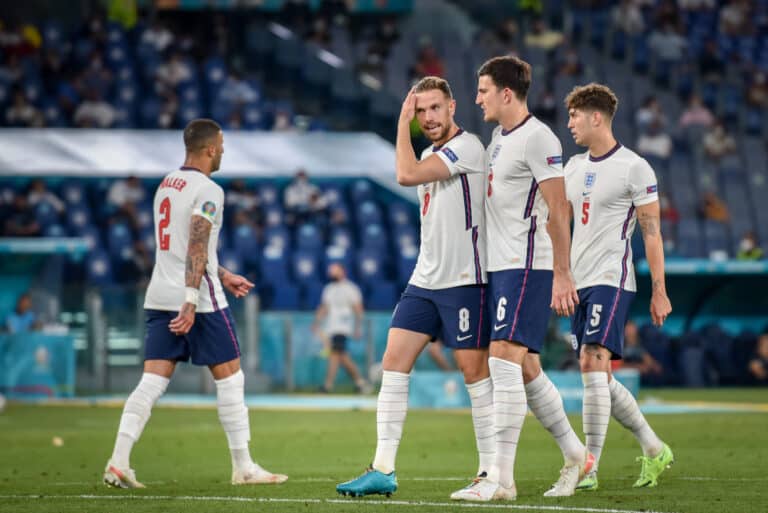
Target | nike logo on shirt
(497,327)
(592,332)
(461,339)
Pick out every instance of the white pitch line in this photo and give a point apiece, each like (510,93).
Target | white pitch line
(265,500)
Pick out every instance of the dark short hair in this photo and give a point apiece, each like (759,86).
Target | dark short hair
(593,97)
(508,72)
(199,133)
(431,83)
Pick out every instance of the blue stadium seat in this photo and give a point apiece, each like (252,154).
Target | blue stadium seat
(54,230)
(274,216)
(245,244)
(273,267)
(305,265)
(368,212)
(268,194)
(361,190)
(334,194)
(98,268)
(118,238)
(374,237)
(277,236)
(311,294)
(309,237)
(381,295)
(340,255)
(45,214)
(78,217)
(716,238)
(406,261)
(370,266)
(284,296)
(399,214)
(232,261)
(689,238)
(91,234)
(341,236)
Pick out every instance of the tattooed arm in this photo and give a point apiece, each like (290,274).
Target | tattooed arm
(197,259)
(648,216)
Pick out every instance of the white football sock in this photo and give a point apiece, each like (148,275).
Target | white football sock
(509,407)
(481,396)
(136,413)
(391,409)
(624,408)
(547,405)
(233,415)
(596,411)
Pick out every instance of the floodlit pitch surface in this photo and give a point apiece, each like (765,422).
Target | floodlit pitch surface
(721,462)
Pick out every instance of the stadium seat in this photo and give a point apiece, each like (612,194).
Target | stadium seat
(284,296)
(381,295)
(340,236)
(246,245)
(311,294)
(98,268)
(231,261)
(273,267)
(361,190)
(399,214)
(340,255)
(370,266)
(277,236)
(374,237)
(305,265)
(309,237)
(46,214)
(118,238)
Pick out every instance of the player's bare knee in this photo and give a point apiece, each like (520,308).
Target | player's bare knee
(594,358)
(162,368)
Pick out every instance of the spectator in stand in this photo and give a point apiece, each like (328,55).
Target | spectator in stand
(637,357)
(242,199)
(174,71)
(748,248)
(570,64)
(711,64)
(649,113)
(22,319)
(655,142)
(757,91)
(696,114)
(713,208)
(541,36)
(11,72)
(546,106)
(237,91)
(735,18)
(94,112)
(21,113)
(666,13)
(38,193)
(157,36)
(668,45)
(21,220)
(628,17)
(428,63)
(718,143)
(297,198)
(124,196)
(668,211)
(758,366)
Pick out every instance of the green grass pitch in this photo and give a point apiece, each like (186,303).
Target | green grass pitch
(721,463)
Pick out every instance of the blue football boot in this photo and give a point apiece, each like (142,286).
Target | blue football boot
(370,483)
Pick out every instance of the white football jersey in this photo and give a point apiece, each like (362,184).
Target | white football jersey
(181,195)
(604,193)
(340,299)
(515,212)
(452,251)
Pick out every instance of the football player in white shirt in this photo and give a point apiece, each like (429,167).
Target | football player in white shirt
(445,296)
(610,189)
(528,275)
(186,310)
(341,309)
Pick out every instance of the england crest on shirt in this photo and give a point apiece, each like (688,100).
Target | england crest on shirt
(589,179)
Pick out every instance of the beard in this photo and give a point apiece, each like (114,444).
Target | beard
(442,134)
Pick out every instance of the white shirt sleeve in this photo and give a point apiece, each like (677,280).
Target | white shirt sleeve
(357,296)
(463,154)
(209,202)
(544,155)
(642,183)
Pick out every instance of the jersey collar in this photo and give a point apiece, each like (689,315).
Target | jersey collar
(524,121)
(189,168)
(458,133)
(603,157)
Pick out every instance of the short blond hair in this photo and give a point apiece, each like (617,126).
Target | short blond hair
(593,97)
(432,83)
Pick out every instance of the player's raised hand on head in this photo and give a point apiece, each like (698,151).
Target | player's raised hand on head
(238,285)
(564,296)
(408,111)
(182,323)
(661,307)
